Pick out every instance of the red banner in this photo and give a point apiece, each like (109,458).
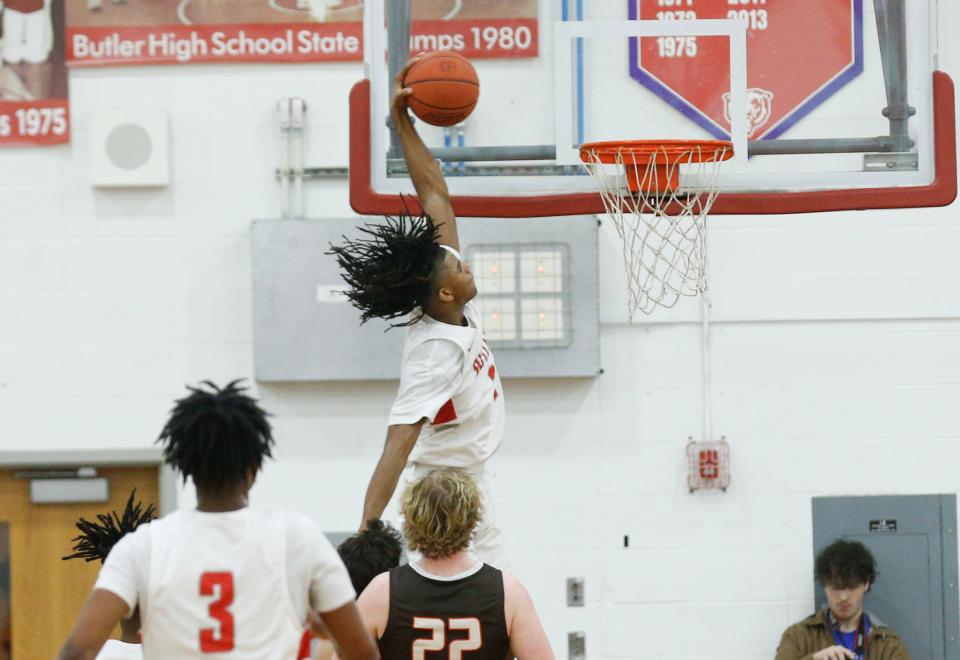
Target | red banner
(119,32)
(789,73)
(180,44)
(34,122)
(288,42)
(478,38)
(34,109)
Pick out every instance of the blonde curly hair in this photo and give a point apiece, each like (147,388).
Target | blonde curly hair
(440,512)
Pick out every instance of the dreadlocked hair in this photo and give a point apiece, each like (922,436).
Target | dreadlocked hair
(97,539)
(216,436)
(390,273)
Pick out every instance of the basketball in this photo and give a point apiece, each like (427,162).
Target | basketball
(445,88)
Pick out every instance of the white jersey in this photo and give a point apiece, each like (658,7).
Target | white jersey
(235,584)
(448,376)
(114,649)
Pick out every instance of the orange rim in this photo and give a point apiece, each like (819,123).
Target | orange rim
(659,155)
(643,151)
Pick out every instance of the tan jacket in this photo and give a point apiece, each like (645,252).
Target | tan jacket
(801,640)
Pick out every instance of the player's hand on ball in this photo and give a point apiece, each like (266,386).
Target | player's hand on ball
(401,93)
(835,653)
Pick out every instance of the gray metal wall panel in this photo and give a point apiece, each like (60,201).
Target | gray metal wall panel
(951,591)
(580,233)
(913,564)
(297,338)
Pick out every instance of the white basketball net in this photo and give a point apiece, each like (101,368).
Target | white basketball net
(665,255)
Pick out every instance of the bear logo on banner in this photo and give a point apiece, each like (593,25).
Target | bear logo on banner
(759,108)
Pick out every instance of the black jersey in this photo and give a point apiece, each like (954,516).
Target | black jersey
(435,619)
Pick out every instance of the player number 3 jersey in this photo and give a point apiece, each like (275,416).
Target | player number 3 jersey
(235,585)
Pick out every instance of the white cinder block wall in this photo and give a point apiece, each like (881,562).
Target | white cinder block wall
(835,367)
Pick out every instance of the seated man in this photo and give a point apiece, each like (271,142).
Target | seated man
(449,601)
(842,630)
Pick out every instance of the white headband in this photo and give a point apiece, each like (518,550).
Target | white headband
(451,251)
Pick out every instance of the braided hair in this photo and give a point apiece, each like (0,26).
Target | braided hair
(391,272)
(217,436)
(97,539)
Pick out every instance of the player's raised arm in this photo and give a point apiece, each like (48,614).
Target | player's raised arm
(423,168)
(400,441)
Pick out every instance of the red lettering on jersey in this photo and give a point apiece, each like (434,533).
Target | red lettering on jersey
(496,394)
(481,359)
(446,414)
(304,652)
(492,371)
(219,583)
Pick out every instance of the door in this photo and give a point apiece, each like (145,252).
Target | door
(46,593)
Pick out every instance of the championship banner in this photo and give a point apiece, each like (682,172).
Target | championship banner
(34,109)
(788,76)
(119,32)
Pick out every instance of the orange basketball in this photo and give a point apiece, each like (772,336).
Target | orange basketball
(445,88)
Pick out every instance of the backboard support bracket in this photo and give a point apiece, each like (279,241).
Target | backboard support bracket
(892,162)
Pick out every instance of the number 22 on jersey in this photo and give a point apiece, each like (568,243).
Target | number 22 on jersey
(438,639)
(220,638)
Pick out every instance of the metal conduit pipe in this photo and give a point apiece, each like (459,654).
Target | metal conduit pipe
(892,32)
(547,152)
(399,15)
(882,143)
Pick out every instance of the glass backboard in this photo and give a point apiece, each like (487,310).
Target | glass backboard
(830,104)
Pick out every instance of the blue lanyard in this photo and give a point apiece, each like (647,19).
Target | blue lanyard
(859,640)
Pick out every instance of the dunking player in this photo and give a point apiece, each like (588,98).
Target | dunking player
(94,543)
(222,579)
(449,410)
(448,601)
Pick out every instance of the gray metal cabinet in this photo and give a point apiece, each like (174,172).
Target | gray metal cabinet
(914,540)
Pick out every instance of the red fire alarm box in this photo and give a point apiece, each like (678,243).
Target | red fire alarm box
(708,465)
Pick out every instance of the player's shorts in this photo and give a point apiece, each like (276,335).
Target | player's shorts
(25,36)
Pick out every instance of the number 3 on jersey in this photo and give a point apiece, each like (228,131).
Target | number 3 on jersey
(438,639)
(220,638)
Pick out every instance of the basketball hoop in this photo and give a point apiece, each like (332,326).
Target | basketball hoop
(661,220)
